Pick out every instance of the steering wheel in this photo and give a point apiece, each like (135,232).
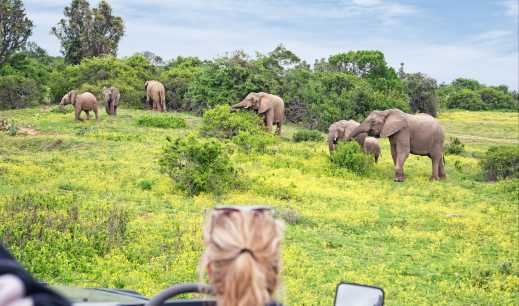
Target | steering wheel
(173,291)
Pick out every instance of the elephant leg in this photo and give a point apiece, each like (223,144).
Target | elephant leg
(401,157)
(435,167)
(393,153)
(269,121)
(115,110)
(376,158)
(442,168)
(78,113)
(96,112)
(278,129)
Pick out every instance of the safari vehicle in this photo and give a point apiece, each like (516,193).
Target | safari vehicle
(347,294)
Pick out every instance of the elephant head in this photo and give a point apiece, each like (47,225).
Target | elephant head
(69,98)
(381,123)
(254,101)
(108,94)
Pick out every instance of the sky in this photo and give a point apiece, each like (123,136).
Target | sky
(445,39)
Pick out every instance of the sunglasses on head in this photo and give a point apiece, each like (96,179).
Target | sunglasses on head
(229,209)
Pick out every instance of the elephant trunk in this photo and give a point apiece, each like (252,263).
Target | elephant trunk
(360,138)
(363,128)
(237,106)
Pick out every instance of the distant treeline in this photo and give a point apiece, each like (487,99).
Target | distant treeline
(343,86)
(346,85)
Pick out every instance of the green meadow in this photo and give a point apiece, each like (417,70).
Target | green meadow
(84,204)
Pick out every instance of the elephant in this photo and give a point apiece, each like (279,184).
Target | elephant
(340,131)
(111,97)
(155,95)
(270,107)
(418,134)
(82,102)
(372,147)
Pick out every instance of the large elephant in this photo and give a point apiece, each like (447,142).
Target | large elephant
(155,95)
(82,102)
(270,107)
(418,134)
(111,97)
(340,131)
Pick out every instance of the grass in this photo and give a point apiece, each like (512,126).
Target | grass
(452,242)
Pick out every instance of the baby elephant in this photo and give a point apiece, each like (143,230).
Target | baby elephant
(372,147)
(111,96)
(84,102)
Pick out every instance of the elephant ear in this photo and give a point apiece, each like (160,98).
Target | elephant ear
(395,121)
(72,97)
(264,103)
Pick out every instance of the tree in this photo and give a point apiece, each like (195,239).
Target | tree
(15,28)
(421,90)
(466,83)
(466,99)
(86,32)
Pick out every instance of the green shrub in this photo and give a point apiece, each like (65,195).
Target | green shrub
(145,184)
(199,165)
(219,122)
(93,74)
(164,121)
(19,92)
(501,162)
(466,99)
(455,146)
(307,135)
(349,155)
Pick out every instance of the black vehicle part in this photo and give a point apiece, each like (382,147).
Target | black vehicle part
(171,292)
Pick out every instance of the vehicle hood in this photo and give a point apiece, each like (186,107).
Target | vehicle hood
(100,296)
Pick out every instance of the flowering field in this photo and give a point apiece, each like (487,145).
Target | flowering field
(84,204)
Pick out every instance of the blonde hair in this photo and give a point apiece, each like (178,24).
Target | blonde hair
(243,256)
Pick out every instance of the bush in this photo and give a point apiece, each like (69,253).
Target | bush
(19,92)
(219,122)
(197,166)
(307,135)
(145,184)
(455,146)
(501,162)
(466,99)
(165,121)
(93,74)
(349,155)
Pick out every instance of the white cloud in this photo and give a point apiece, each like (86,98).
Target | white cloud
(367,2)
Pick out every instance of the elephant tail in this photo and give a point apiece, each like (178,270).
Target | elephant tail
(443,160)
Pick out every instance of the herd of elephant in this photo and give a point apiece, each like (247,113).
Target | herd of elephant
(418,134)
(87,102)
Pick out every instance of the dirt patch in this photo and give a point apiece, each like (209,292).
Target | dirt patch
(27,131)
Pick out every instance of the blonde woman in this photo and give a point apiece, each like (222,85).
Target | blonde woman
(242,256)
